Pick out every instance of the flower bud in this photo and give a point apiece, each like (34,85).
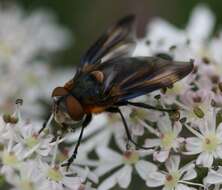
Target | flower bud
(198,112)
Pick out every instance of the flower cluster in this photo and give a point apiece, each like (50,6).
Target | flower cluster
(31,161)
(26,43)
(184,151)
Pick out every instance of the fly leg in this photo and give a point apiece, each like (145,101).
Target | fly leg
(73,157)
(174,113)
(117,110)
(147,106)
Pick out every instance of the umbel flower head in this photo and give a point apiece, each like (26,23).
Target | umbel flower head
(184,152)
(30,160)
(26,43)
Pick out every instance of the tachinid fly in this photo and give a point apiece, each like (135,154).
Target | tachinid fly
(107,78)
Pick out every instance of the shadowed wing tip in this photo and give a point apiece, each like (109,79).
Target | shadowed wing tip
(147,74)
(127,19)
(192,63)
(189,67)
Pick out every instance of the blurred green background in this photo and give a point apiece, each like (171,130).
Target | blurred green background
(88,18)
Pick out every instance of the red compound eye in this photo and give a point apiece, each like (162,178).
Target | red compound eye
(74,108)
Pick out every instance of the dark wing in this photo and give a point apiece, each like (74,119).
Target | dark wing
(128,78)
(117,41)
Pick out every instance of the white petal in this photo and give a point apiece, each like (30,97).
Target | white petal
(93,177)
(219,130)
(182,187)
(204,128)
(164,125)
(203,17)
(108,183)
(159,29)
(141,49)
(138,130)
(72,182)
(205,159)
(161,156)
(219,151)
(152,142)
(219,170)
(215,46)
(177,127)
(144,168)
(155,179)
(177,143)
(124,176)
(19,149)
(108,154)
(104,168)
(211,120)
(147,152)
(190,174)
(213,177)
(194,145)
(85,173)
(187,167)
(173,163)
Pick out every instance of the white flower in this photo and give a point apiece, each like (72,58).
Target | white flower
(78,168)
(196,104)
(168,138)
(163,36)
(21,140)
(215,46)
(27,177)
(56,178)
(30,139)
(87,186)
(208,141)
(25,36)
(214,176)
(24,137)
(10,161)
(109,160)
(174,178)
(23,39)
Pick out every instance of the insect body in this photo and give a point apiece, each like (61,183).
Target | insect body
(108,78)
